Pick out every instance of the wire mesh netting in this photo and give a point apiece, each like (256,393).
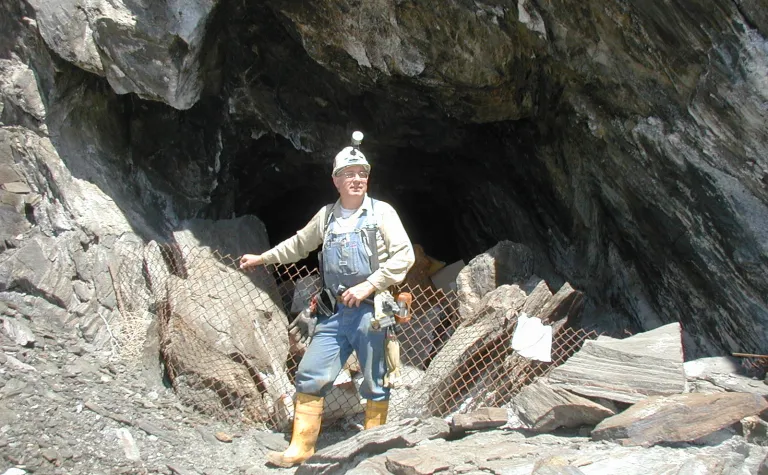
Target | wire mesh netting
(223,335)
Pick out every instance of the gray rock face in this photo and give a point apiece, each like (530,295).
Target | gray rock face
(66,30)
(228,237)
(150,49)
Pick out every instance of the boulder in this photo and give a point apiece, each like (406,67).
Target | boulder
(42,265)
(471,358)
(223,332)
(678,418)
(65,28)
(18,331)
(227,237)
(544,408)
(505,263)
(477,366)
(153,50)
(483,418)
(627,370)
(755,430)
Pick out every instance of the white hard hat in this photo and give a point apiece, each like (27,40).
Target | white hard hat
(350,156)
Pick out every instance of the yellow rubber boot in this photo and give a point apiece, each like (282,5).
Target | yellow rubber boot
(306,428)
(375,413)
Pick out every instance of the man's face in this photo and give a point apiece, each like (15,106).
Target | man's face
(352,181)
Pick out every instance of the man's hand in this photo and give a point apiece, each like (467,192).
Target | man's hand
(249,261)
(355,295)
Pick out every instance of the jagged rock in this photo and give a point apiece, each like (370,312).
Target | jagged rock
(83,291)
(736,383)
(452,374)
(64,27)
(702,367)
(511,452)
(556,310)
(32,307)
(483,418)
(678,418)
(16,187)
(627,370)
(340,457)
(567,303)
(153,51)
(477,366)
(719,374)
(426,464)
(223,332)
(18,331)
(41,266)
(505,263)
(7,173)
(18,365)
(537,298)
(22,100)
(755,430)
(544,408)
(13,225)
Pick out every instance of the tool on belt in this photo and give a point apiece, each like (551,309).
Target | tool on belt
(388,315)
(322,303)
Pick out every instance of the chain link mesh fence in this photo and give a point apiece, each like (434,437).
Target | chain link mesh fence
(223,335)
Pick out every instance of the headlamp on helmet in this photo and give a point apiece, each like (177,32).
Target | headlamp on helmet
(351,156)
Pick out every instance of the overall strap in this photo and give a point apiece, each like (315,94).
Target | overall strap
(326,222)
(371,235)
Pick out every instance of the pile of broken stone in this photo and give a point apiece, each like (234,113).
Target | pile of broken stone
(629,406)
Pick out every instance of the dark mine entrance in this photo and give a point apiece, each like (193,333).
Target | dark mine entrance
(438,196)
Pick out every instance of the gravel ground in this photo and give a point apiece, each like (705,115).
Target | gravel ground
(65,408)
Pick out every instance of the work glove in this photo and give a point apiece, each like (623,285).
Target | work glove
(393,378)
(304,325)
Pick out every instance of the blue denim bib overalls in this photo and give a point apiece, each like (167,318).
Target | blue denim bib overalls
(345,261)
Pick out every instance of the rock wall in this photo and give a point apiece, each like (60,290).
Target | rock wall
(625,144)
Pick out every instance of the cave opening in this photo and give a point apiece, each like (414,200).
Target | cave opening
(455,201)
(460,185)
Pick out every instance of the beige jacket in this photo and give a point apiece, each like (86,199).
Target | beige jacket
(395,250)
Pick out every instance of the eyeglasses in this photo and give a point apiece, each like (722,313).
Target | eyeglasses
(349,175)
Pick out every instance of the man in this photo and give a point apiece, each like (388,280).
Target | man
(350,259)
